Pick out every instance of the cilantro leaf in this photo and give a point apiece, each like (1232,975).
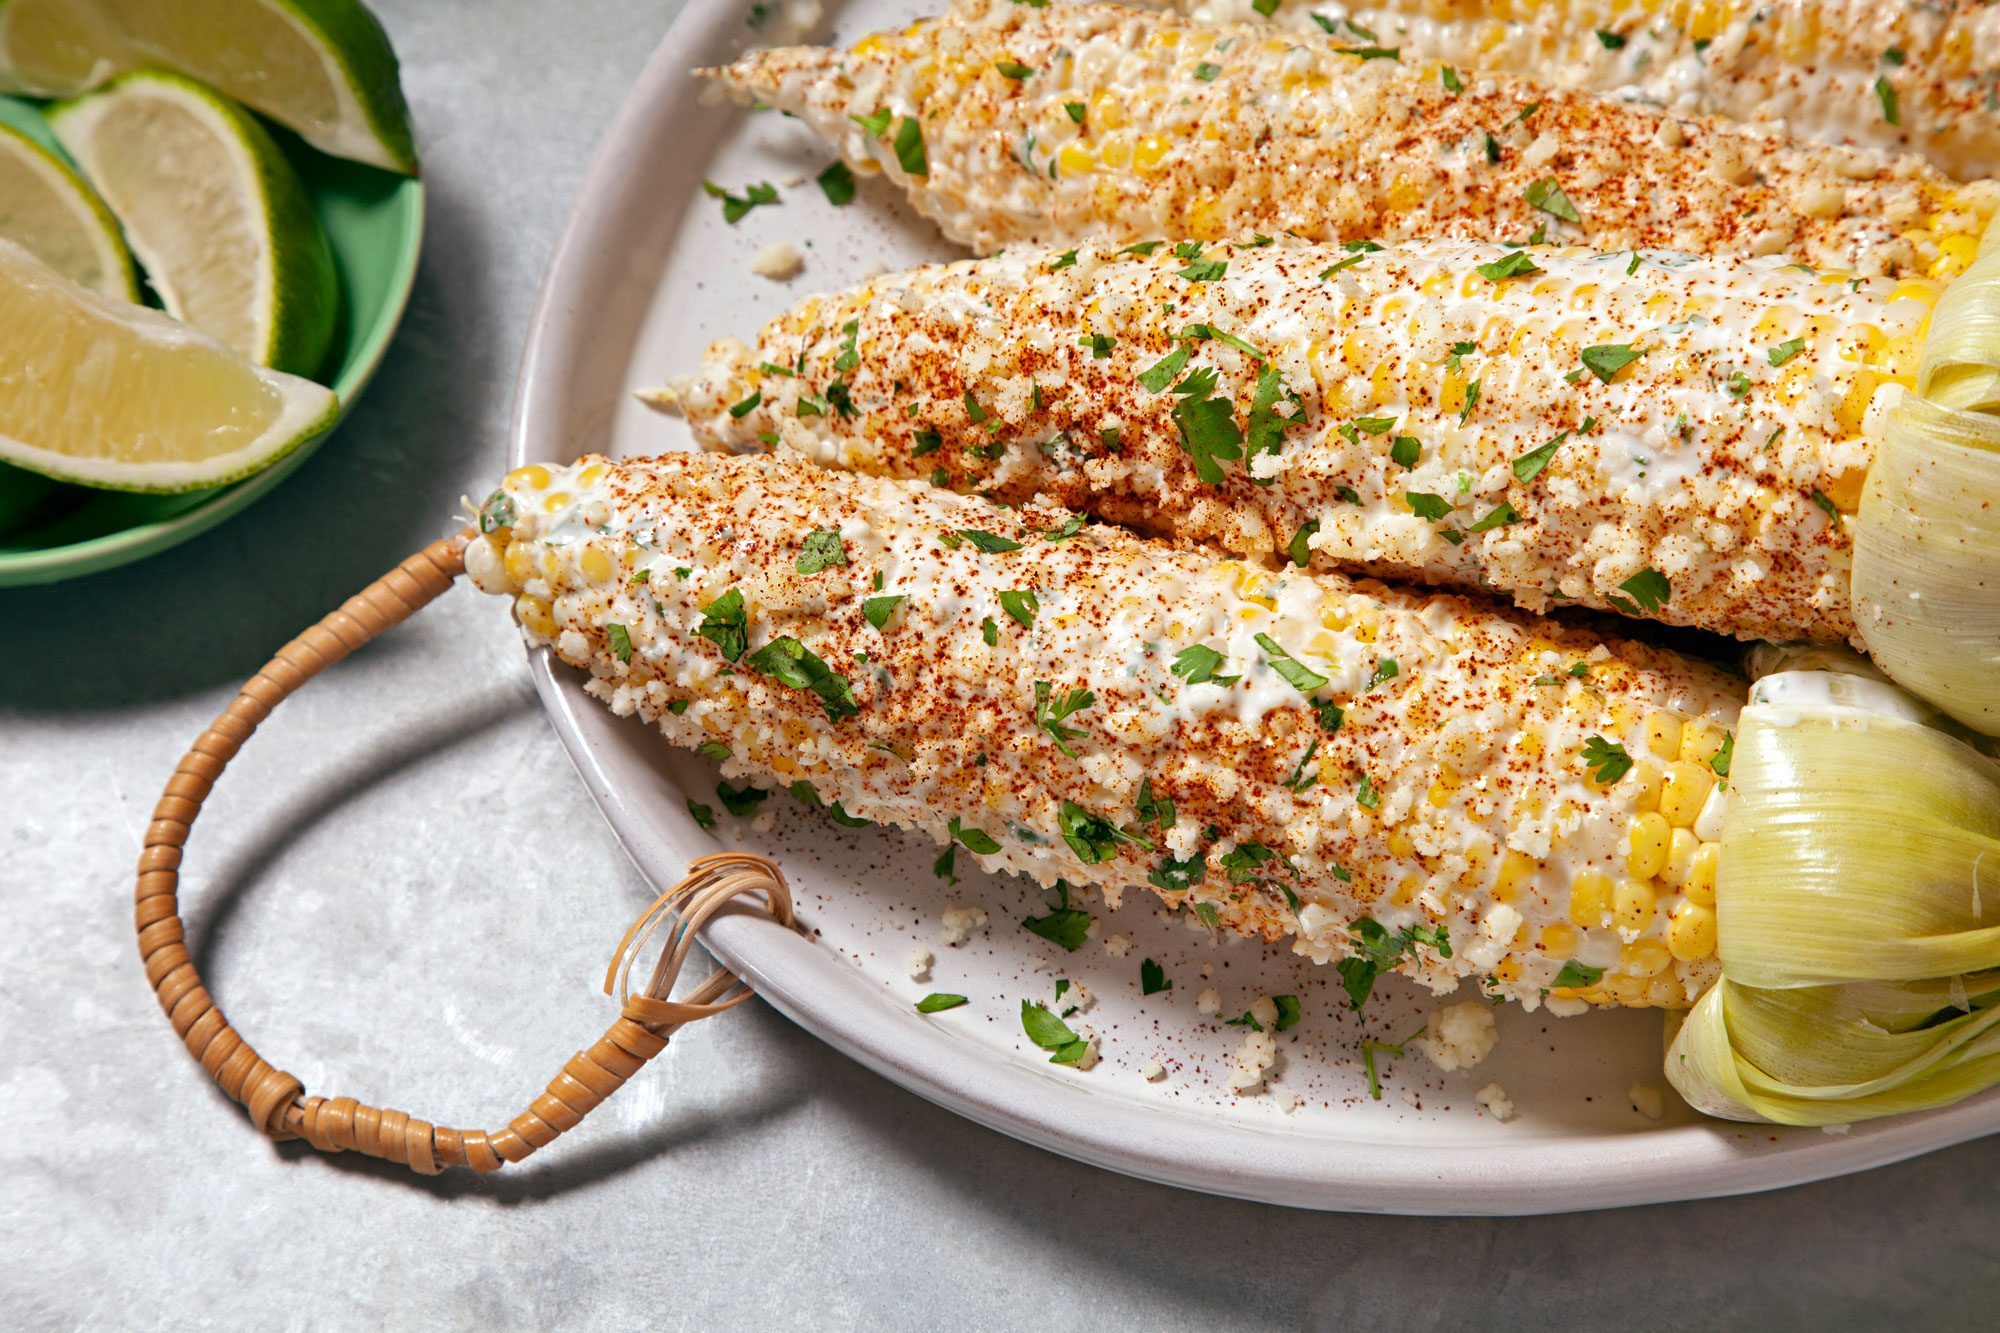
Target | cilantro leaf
(1296,673)
(1514,264)
(723,624)
(1607,760)
(821,550)
(740,801)
(1607,359)
(1066,926)
(1299,549)
(1050,713)
(877,610)
(619,640)
(838,183)
(1164,371)
(791,663)
(939,1001)
(1548,196)
(909,148)
(975,840)
(1575,975)
(1196,665)
(1153,978)
(1649,588)
(1425,505)
(1021,605)
(1529,465)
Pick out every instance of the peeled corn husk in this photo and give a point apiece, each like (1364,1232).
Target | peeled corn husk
(1927,546)
(1859,904)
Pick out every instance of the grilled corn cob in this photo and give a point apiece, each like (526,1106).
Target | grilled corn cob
(1679,438)
(1006,124)
(1893,74)
(1395,781)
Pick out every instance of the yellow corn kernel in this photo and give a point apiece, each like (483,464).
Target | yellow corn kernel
(1515,870)
(534,476)
(1152,151)
(1558,939)
(1507,970)
(1400,844)
(1691,932)
(1684,791)
(535,615)
(1845,489)
(1680,858)
(1663,734)
(1590,899)
(1700,886)
(1625,989)
(591,475)
(595,562)
(1666,992)
(1701,740)
(1853,406)
(1107,111)
(1632,904)
(521,563)
(1076,159)
(560,500)
(1642,786)
(1646,844)
(1644,958)
(1406,892)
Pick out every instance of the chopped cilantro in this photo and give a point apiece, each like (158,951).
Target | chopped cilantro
(1649,588)
(1300,548)
(939,1001)
(1052,1034)
(619,640)
(877,610)
(1885,93)
(1529,465)
(1611,41)
(1575,975)
(1153,978)
(988,542)
(1296,673)
(1066,926)
(723,624)
(1153,809)
(1076,111)
(1207,425)
(1021,605)
(1499,517)
(703,815)
(1820,498)
(838,183)
(1068,528)
(1721,759)
(1425,505)
(1385,670)
(875,122)
(1014,69)
(746,406)
(734,206)
(909,147)
(821,550)
(1786,350)
(1094,839)
(1376,950)
(1179,876)
(1051,711)
(1452,83)
(1606,760)
(1164,371)
(1196,664)
(1513,264)
(1404,450)
(1607,359)
(1207,72)
(791,663)
(740,801)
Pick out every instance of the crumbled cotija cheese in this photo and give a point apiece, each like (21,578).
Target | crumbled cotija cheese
(960,922)
(1254,1059)
(1153,1072)
(1209,1001)
(779,261)
(1117,946)
(1496,1101)
(920,963)
(1459,1037)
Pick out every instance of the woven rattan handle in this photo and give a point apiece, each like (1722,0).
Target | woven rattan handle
(277,1102)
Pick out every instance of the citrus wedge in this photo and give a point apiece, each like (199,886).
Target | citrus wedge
(214,212)
(47,209)
(110,394)
(322,67)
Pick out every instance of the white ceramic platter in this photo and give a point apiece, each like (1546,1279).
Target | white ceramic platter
(647,272)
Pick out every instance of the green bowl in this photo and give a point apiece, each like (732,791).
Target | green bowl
(375,220)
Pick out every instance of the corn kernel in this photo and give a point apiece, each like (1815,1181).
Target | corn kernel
(1663,734)
(1701,740)
(1515,869)
(535,615)
(1632,904)
(1684,791)
(534,476)
(1681,848)
(1507,970)
(1646,844)
(1691,932)
(521,563)
(1700,887)
(560,500)
(1666,992)
(1399,844)
(1641,787)
(1152,151)
(595,562)
(1625,989)
(1590,899)
(1558,939)
(1644,958)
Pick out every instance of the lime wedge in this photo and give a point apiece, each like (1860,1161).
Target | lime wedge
(214,212)
(47,209)
(322,67)
(115,395)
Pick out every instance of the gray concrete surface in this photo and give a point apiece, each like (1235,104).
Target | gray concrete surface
(402,891)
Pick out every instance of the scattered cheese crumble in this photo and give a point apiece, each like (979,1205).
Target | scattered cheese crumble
(1153,1072)
(1496,1101)
(960,922)
(1254,1059)
(1459,1037)
(920,963)
(1209,1001)
(1117,946)
(779,261)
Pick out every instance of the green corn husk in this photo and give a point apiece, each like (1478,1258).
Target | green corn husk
(1859,907)
(1927,544)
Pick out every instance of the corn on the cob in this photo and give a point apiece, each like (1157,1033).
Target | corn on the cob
(1416,782)
(1922,75)
(1684,439)
(1006,123)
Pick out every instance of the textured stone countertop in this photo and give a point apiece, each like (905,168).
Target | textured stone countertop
(402,889)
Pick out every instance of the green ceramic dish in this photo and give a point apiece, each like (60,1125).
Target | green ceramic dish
(375,221)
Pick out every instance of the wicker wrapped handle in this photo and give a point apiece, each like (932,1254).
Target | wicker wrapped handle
(277,1101)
